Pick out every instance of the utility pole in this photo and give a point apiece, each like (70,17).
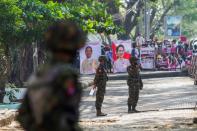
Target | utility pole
(145,20)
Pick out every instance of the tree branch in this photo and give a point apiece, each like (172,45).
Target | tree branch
(132,18)
(160,22)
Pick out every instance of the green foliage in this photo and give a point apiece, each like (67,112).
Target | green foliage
(26,20)
(11,21)
(187,9)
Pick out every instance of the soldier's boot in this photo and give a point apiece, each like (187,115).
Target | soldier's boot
(195,82)
(99,113)
(134,109)
(195,120)
(129,109)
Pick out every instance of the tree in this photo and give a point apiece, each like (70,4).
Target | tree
(23,23)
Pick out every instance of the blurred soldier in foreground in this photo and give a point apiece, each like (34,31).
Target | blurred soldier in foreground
(52,99)
(100,82)
(135,84)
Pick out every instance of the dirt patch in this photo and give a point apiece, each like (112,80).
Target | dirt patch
(98,122)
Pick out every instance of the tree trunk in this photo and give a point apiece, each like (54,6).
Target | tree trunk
(131,19)
(21,63)
(15,66)
(42,57)
(160,22)
(153,13)
(114,11)
(26,65)
(109,40)
(4,71)
(35,56)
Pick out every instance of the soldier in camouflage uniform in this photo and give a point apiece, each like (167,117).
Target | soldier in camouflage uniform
(194,63)
(100,82)
(135,84)
(54,92)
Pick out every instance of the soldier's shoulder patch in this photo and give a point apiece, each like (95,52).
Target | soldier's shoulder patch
(69,85)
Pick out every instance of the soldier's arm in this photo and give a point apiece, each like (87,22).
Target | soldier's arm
(96,77)
(140,79)
(95,80)
(129,69)
(99,73)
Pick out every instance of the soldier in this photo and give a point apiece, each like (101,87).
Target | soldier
(100,82)
(52,99)
(135,84)
(194,63)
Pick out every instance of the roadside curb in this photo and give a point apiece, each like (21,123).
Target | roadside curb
(150,75)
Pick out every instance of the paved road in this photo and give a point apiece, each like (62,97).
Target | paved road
(158,94)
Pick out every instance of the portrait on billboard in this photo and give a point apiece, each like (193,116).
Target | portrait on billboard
(89,58)
(121,54)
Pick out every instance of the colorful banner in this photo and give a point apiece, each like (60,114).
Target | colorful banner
(89,57)
(147,58)
(147,63)
(121,53)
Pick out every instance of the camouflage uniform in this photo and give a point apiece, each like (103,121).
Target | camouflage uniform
(100,82)
(135,84)
(52,99)
(194,64)
(194,69)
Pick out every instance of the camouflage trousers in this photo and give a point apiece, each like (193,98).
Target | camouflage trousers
(194,68)
(133,94)
(100,95)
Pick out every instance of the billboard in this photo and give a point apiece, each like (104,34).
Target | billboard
(147,58)
(173,25)
(89,57)
(121,53)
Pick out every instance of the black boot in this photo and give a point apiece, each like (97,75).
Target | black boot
(134,109)
(99,113)
(195,82)
(129,109)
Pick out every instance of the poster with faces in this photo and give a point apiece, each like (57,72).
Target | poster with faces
(89,55)
(121,53)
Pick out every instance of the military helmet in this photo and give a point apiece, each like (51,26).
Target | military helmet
(65,36)
(133,60)
(102,58)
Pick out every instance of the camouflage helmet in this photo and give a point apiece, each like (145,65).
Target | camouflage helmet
(102,58)
(64,36)
(133,60)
